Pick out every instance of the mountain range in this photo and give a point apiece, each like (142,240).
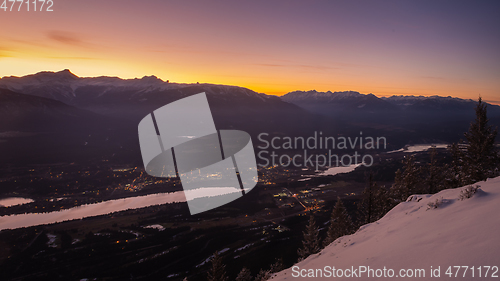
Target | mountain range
(421,119)
(103,113)
(352,105)
(132,99)
(107,110)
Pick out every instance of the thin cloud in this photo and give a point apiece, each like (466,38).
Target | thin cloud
(317,67)
(4,52)
(495,102)
(67,38)
(75,58)
(433,77)
(446,79)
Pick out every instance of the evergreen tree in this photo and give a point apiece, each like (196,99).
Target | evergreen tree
(310,244)
(374,203)
(434,178)
(277,266)
(366,207)
(244,275)
(397,188)
(218,270)
(406,181)
(481,155)
(383,203)
(340,223)
(455,175)
(263,275)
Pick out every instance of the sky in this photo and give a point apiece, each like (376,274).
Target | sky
(447,48)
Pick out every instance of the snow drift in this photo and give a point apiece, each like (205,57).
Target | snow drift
(439,231)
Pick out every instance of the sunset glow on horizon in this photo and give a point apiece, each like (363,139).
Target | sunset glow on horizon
(446,48)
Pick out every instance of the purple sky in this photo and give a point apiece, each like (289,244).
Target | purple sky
(381,47)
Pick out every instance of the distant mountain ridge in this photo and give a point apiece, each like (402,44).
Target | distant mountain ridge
(111,106)
(132,99)
(420,118)
(339,101)
(333,103)
(33,113)
(351,106)
(66,87)
(357,99)
(125,102)
(94,92)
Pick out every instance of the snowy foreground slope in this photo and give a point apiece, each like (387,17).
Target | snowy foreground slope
(414,235)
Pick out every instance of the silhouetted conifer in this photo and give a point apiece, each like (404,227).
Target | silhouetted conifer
(481,156)
(218,270)
(310,244)
(434,174)
(406,181)
(340,223)
(244,275)
(374,203)
(263,275)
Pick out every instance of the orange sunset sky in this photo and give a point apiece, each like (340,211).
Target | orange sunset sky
(274,47)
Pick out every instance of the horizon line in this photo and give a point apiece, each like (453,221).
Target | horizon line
(272,93)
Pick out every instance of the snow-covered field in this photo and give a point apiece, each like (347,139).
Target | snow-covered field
(419,148)
(89,210)
(12,201)
(415,237)
(339,170)
(156,226)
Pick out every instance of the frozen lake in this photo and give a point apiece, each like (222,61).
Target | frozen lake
(106,207)
(12,201)
(419,147)
(339,170)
